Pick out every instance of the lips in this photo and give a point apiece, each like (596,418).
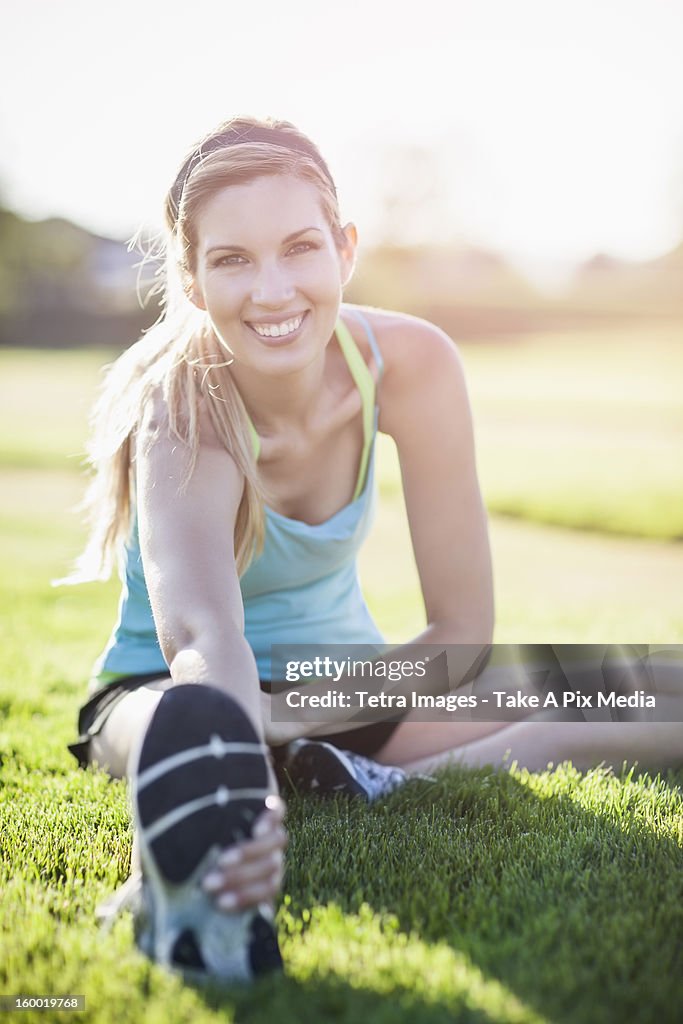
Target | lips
(280,329)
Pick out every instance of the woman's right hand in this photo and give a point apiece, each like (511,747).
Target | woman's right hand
(251,872)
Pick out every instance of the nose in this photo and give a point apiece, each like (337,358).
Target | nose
(272,286)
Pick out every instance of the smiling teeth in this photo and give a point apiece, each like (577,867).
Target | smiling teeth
(278,330)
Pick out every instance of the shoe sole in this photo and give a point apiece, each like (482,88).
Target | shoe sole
(200,782)
(324,770)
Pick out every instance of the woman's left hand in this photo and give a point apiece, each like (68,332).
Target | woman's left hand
(251,872)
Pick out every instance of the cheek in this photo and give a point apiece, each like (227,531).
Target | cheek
(223,293)
(325,276)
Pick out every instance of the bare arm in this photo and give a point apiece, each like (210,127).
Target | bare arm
(425,409)
(187,544)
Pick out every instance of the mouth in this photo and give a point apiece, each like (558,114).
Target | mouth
(284,329)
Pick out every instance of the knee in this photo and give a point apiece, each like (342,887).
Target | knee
(102,755)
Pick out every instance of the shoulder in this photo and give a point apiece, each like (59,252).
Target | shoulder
(421,362)
(162,421)
(185,476)
(408,344)
(177,456)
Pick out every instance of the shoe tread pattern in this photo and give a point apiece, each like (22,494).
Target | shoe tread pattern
(186,717)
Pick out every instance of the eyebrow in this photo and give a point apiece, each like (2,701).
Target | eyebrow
(241,248)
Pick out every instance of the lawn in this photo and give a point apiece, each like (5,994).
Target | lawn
(583,430)
(486,896)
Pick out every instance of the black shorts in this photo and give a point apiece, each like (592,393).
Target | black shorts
(366,739)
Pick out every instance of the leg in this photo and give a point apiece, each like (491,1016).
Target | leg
(121,733)
(535,744)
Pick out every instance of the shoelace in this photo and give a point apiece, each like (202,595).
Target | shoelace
(389,776)
(380,774)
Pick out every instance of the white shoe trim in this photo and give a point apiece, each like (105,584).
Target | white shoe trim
(220,798)
(216,747)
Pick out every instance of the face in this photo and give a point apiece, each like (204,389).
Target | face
(268,272)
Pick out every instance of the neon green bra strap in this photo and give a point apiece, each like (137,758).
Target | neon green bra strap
(255,439)
(365,383)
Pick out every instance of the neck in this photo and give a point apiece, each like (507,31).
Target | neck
(276,403)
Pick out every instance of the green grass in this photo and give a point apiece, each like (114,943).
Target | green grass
(551,585)
(45,399)
(485,897)
(583,430)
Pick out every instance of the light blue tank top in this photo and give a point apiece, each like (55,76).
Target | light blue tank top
(302,589)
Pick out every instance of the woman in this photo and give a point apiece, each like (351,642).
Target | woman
(234,455)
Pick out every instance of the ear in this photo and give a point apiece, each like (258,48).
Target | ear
(348,251)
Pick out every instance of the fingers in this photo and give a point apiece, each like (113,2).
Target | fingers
(275,808)
(251,871)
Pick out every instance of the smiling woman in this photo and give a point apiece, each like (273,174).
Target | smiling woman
(234,450)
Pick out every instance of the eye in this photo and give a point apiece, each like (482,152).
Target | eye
(301,247)
(232,259)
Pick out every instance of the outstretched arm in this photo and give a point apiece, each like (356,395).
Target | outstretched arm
(187,544)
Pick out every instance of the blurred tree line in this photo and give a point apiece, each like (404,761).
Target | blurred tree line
(61,285)
(474,294)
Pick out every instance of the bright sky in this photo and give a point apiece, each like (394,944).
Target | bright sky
(554,128)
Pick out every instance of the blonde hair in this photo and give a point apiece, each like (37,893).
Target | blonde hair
(180,357)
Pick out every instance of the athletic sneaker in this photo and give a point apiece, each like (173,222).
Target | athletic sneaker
(198,784)
(320,768)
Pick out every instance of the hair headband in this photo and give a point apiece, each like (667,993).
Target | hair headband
(239,136)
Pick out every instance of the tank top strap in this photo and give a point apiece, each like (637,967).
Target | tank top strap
(359,369)
(372,340)
(365,383)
